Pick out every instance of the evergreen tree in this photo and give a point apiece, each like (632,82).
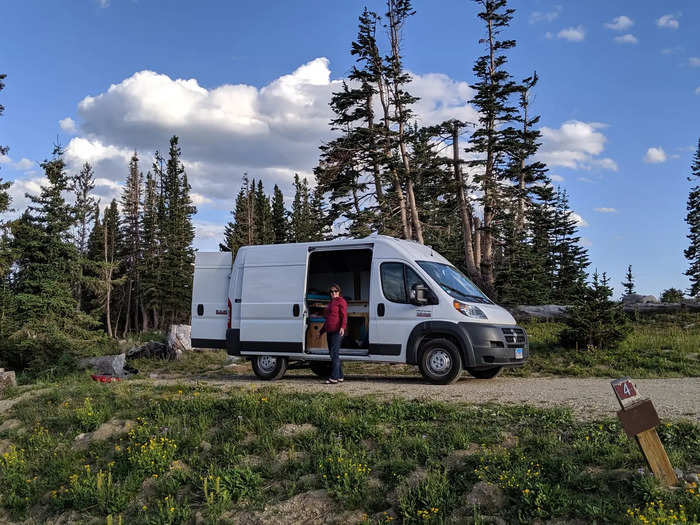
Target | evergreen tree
(692,253)
(492,139)
(671,295)
(570,258)
(320,224)
(302,224)
(130,257)
(109,277)
(6,296)
(47,328)
(279,217)
(595,322)
(264,233)
(629,283)
(241,230)
(149,297)
(82,185)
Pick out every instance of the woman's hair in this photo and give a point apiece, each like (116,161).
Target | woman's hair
(336,285)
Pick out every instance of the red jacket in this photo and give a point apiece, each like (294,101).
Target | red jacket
(336,315)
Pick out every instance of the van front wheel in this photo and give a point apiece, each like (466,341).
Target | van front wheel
(268,367)
(440,362)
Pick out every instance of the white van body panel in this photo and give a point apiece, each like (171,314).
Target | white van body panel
(210,295)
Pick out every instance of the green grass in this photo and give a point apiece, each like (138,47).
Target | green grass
(198,450)
(659,346)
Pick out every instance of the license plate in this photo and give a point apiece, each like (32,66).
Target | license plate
(518,353)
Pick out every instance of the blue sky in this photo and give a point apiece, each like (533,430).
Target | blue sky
(246,86)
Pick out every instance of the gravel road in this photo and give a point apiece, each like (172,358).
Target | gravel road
(588,397)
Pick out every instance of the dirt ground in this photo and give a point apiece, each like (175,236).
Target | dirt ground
(587,397)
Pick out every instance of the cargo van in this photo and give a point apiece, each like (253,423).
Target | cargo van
(406,304)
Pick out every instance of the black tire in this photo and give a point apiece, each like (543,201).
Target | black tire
(269,367)
(440,362)
(485,373)
(321,368)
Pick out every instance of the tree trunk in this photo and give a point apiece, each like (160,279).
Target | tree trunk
(108,284)
(378,190)
(464,207)
(128,312)
(477,245)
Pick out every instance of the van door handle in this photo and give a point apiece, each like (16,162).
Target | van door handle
(295,310)
(380,310)
(200,309)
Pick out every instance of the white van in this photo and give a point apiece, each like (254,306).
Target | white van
(406,304)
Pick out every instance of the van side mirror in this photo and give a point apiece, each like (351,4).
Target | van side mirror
(419,294)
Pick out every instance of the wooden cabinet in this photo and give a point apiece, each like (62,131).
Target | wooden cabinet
(314,337)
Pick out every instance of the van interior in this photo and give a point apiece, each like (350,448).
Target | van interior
(350,269)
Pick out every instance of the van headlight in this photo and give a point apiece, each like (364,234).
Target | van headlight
(470,311)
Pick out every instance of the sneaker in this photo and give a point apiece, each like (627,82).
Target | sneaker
(340,380)
(331,381)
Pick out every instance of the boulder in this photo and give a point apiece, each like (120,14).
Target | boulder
(150,349)
(5,445)
(541,311)
(179,339)
(7,378)
(10,424)
(112,365)
(635,298)
(487,496)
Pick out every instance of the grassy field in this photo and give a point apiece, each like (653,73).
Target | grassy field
(185,453)
(659,346)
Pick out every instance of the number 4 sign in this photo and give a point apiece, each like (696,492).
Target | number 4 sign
(625,391)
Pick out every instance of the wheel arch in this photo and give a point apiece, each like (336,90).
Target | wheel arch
(428,330)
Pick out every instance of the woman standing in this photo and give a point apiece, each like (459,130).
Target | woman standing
(336,315)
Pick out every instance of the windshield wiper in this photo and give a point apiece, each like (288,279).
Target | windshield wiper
(465,295)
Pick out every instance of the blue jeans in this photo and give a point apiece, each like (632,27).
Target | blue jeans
(334,339)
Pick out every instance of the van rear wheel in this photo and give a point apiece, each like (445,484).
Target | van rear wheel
(440,362)
(269,367)
(320,368)
(485,373)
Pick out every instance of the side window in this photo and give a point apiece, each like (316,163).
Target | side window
(392,282)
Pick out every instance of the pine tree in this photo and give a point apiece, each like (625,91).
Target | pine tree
(149,300)
(692,253)
(82,185)
(47,327)
(595,322)
(279,217)
(130,257)
(629,283)
(108,268)
(6,296)
(570,258)
(492,138)
(241,230)
(302,225)
(264,233)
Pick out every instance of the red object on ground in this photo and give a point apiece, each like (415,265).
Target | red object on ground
(104,379)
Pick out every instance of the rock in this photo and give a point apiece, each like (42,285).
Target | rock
(251,461)
(150,349)
(205,446)
(179,339)
(7,379)
(82,441)
(148,487)
(691,477)
(5,445)
(112,428)
(315,506)
(292,430)
(10,424)
(634,298)
(456,458)
(509,440)
(112,365)
(487,496)
(409,482)
(542,311)
(679,473)
(621,474)
(180,466)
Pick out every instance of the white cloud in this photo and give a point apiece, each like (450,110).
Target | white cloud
(580,221)
(573,34)
(556,178)
(103,3)
(620,23)
(68,125)
(586,179)
(575,145)
(697,90)
(655,155)
(694,61)
(199,199)
(208,235)
(668,22)
(549,35)
(671,50)
(546,16)
(269,132)
(606,210)
(23,164)
(626,39)
(5,159)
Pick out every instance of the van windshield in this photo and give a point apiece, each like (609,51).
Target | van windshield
(454,282)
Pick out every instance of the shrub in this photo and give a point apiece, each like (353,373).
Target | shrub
(672,295)
(595,322)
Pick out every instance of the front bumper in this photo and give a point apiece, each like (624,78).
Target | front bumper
(497,345)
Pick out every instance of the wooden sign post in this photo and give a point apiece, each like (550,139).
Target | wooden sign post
(639,420)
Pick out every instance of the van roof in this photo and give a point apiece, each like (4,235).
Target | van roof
(384,247)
